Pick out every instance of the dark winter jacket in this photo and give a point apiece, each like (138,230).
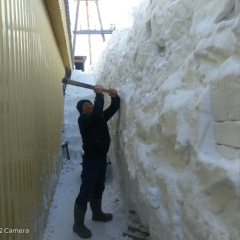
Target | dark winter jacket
(94,129)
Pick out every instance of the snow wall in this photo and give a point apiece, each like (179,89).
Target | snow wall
(176,139)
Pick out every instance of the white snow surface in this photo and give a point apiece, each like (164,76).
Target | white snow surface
(175,148)
(176,139)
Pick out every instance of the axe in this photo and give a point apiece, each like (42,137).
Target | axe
(66,80)
(80,84)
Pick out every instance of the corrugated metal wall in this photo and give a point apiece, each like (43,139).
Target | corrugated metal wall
(31,115)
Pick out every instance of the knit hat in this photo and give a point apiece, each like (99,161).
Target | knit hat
(80,103)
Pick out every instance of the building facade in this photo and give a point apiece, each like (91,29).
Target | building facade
(35,51)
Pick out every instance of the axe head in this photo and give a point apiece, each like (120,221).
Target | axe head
(65,78)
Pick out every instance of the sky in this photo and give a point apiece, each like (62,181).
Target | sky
(118,13)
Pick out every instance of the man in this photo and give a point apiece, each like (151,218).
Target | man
(96,141)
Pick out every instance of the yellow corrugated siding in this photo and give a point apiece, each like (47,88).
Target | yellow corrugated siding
(31,116)
(57,13)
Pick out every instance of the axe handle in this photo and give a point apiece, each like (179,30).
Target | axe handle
(80,84)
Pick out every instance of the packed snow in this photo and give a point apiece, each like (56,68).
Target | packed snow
(175,152)
(176,148)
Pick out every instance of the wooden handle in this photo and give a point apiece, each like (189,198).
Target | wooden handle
(80,84)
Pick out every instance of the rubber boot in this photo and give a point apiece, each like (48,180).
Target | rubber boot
(97,214)
(79,227)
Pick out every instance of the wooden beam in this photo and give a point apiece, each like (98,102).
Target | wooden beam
(93,32)
(89,36)
(75,28)
(81,61)
(100,20)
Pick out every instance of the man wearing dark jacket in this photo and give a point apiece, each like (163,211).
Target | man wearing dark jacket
(96,141)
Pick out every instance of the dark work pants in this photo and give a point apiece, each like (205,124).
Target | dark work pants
(93,179)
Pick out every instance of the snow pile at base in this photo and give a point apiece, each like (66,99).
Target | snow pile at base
(176,138)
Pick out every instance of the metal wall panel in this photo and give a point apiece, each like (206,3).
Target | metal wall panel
(31,116)
(58,14)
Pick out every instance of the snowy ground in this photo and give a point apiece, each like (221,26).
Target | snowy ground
(60,220)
